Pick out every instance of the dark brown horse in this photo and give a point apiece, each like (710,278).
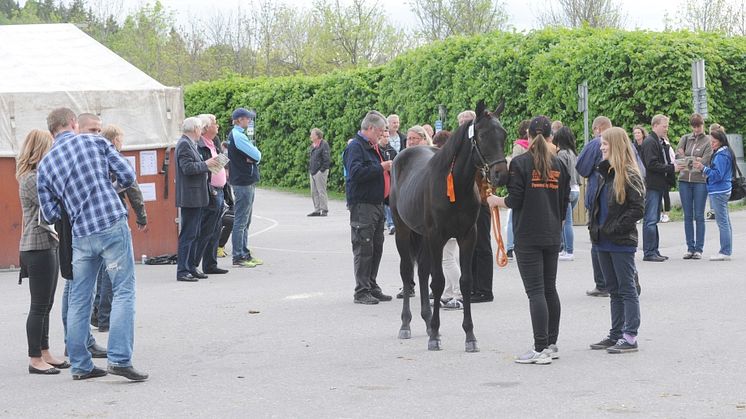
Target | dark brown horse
(426,217)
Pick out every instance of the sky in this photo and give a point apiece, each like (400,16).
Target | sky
(642,14)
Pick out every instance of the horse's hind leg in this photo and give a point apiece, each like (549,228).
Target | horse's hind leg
(466,246)
(406,270)
(435,262)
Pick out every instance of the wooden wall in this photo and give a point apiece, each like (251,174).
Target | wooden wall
(162,234)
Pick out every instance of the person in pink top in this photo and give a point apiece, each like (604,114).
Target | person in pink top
(212,215)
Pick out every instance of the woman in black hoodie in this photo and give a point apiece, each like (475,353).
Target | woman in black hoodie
(618,204)
(538,194)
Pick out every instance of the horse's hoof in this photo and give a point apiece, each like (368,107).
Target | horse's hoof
(405,334)
(433,345)
(472,346)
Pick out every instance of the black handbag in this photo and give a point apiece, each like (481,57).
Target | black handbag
(738,183)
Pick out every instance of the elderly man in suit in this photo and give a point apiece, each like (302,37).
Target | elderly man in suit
(192,195)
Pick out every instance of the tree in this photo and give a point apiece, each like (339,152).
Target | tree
(267,26)
(739,19)
(142,41)
(439,19)
(577,13)
(706,16)
(359,34)
(8,8)
(231,39)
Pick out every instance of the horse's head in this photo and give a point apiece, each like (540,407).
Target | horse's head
(489,143)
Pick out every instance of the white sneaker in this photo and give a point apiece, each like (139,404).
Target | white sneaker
(719,257)
(453,304)
(532,357)
(553,351)
(664,218)
(566,256)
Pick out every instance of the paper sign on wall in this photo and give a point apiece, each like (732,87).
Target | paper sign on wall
(148,191)
(131,161)
(148,163)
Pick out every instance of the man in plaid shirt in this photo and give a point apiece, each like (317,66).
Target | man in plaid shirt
(76,174)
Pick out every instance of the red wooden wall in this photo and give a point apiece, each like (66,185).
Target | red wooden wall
(162,234)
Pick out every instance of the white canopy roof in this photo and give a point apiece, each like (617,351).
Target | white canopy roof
(43,67)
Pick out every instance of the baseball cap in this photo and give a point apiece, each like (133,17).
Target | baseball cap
(540,125)
(243,112)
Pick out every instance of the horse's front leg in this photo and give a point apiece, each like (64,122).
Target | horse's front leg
(406,270)
(435,249)
(466,245)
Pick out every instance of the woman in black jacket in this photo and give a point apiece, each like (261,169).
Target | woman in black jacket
(618,204)
(538,194)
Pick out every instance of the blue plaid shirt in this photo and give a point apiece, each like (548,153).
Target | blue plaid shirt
(76,173)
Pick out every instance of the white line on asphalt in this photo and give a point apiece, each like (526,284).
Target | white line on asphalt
(304,296)
(274,224)
(321,252)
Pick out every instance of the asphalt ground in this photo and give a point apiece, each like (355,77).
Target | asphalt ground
(285,340)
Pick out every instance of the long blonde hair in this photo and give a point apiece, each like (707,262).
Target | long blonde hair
(622,160)
(541,155)
(35,146)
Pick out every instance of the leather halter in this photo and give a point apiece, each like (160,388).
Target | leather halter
(485,165)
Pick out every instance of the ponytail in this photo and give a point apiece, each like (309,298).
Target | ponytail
(541,155)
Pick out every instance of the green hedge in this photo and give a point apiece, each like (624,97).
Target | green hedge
(631,76)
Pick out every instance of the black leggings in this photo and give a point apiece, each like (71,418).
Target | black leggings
(42,267)
(538,268)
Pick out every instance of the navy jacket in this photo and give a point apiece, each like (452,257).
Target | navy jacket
(586,165)
(244,170)
(365,182)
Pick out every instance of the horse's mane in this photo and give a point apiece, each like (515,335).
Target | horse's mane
(451,147)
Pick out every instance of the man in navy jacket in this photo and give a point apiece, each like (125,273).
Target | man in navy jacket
(367,184)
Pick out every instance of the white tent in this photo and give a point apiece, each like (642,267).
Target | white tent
(43,67)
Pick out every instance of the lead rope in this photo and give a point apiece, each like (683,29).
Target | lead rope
(501,256)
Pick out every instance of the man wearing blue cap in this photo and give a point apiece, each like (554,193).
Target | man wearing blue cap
(244,173)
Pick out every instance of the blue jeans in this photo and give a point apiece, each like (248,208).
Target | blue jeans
(650,238)
(389,216)
(619,272)
(65,305)
(719,204)
(112,248)
(510,245)
(693,200)
(243,205)
(207,245)
(568,236)
(191,219)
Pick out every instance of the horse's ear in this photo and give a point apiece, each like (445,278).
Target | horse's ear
(500,108)
(481,108)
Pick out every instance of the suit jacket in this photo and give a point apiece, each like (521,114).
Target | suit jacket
(191,176)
